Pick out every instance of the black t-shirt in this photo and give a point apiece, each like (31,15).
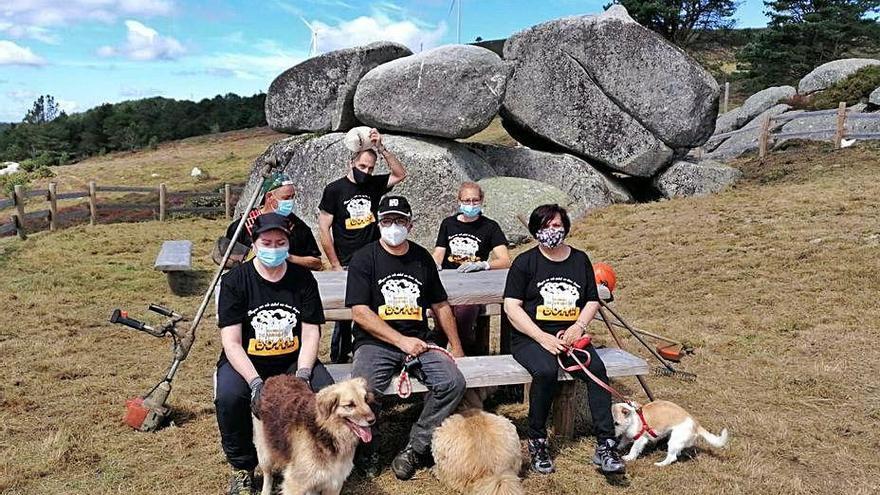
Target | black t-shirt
(468,241)
(271,314)
(302,241)
(553,292)
(353,207)
(397,288)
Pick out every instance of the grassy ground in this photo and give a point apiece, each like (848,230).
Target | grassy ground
(775,281)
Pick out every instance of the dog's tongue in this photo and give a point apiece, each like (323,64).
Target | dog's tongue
(365,434)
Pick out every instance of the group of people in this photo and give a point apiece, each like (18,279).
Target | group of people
(270,312)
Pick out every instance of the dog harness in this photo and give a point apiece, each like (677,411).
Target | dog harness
(404,383)
(645,428)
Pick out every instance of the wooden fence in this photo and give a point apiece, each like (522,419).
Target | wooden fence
(837,134)
(20,220)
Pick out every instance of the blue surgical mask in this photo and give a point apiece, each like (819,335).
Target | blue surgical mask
(271,257)
(285,207)
(470,210)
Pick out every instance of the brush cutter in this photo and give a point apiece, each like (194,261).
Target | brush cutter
(149,412)
(672,350)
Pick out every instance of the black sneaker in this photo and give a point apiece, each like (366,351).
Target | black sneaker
(541,461)
(607,457)
(241,482)
(367,461)
(407,461)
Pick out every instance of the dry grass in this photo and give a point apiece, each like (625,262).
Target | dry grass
(775,281)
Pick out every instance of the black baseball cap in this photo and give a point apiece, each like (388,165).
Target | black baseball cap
(394,205)
(269,221)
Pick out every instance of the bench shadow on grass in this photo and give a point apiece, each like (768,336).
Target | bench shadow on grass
(189,283)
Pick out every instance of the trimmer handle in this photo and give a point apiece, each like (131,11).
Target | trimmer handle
(162,310)
(117,317)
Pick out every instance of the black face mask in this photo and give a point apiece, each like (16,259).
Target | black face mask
(359,175)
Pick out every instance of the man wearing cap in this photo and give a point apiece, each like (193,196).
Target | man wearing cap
(391,284)
(278,194)
(269,314)
(347,219)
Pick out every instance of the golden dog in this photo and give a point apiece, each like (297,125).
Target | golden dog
(310,437)
(478,452)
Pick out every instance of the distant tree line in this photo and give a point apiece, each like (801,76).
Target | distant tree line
(48,136)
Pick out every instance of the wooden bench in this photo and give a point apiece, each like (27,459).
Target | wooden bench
(175,259)
(489,371)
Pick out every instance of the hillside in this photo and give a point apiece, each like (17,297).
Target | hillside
(775,282)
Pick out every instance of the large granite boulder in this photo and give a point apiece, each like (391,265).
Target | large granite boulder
(605,88)
(453,91)
(510,201)
(748,140)
(587,186)
(317,95)
(829,73)
(695,179)
(752,107)
(874,97)
(822,127)
(435,168)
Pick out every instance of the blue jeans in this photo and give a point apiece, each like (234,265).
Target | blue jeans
(446,386)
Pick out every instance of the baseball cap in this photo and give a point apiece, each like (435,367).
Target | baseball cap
(273,182)
(394,205)
(269,221)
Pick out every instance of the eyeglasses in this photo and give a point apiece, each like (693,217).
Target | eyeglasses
(470,201)
(388,222)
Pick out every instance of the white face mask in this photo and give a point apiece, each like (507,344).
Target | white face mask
(393,235)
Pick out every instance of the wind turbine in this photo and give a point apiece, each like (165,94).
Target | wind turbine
(313,46)
(458,21)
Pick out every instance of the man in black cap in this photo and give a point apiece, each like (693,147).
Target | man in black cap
(269,315)
(278,197)
(347,218)
(391,285)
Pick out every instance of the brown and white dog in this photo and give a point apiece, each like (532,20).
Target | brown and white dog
(310,437)
(477,452)
(665,419)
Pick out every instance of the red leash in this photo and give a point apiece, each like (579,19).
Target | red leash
(404,384)
(579,346)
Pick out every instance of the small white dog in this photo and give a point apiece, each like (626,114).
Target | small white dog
(663,419)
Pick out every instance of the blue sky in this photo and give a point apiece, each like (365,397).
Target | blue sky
(86,52)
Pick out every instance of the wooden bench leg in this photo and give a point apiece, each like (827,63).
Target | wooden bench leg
(481,336)
(564,410)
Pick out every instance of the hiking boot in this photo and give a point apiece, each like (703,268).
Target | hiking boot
(407,461)
(241,482)
(540,454)
(607,457)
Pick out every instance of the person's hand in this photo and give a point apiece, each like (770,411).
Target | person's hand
(256,386)
(457,352)
(376,139)
(572,333)
(304,374)
(551,344)
(439,267)
(337,268)
(473,266)
(412,346)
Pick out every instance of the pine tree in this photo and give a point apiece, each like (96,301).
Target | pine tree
(680,21)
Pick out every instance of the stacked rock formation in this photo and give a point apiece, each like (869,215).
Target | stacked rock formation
(595,99)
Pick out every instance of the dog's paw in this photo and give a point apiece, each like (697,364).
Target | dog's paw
(663,463)
(628,458)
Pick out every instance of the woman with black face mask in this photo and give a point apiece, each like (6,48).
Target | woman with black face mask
(550,298)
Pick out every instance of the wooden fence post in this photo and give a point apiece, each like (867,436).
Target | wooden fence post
(764,139)
(841,121)
(53,207)
(227,191)
(19,226)
(18,199)
(162,202)
(726,95)
(93,203)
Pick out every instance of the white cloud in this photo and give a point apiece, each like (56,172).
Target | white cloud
(269,60)
(131,92)
(378,27)
(67,106)
(144,43)
(12,54)
(31,18)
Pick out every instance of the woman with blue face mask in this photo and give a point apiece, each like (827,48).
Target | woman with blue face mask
(279,197)
(470,242)
(269,313)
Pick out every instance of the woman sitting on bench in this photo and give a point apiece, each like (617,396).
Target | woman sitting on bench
(550,291)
